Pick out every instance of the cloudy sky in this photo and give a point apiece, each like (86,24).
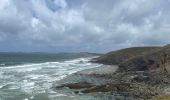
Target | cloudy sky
(82,25)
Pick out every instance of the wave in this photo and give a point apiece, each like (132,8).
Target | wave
(37,78)
(2,64)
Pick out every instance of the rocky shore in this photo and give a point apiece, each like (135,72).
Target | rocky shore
(143,73)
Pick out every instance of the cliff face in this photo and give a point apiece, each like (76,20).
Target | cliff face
(155,60)
(164,62)
(133,59)
(140,74)
(120,56)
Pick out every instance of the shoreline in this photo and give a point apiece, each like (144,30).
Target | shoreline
(84,79)
(142,73)
(98,72)
(128,85)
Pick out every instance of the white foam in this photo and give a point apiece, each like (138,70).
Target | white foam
(28,69)
(29,65)
(2,64)
(12,87)
(1,86)
(39,77)
(77,60)
(34,76)
(60,77)
(26,85)
(21,66)
(32,97)
(58,95)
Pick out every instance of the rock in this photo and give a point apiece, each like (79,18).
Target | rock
(79,85)
(76,92)
(107,88)
(143,73)
(164,62)
(141,79)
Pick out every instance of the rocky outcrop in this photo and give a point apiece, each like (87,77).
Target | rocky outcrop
(119,87)
(143,72)
(139,58)
(164,63)
(117,57)
(155,60)
(132,84)
(79,85)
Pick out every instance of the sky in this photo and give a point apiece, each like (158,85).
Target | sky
(82,25)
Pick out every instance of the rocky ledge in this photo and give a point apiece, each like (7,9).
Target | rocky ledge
(143,73)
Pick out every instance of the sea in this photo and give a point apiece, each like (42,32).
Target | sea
(30,76)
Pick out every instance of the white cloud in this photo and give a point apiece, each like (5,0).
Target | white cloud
(61,3)
(86,24)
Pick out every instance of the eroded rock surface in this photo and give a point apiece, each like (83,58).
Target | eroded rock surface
(164,62)
(143,73)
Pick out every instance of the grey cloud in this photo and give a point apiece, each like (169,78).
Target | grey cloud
(92,25)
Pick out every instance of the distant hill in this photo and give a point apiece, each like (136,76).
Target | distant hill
(89,53)
(82,54)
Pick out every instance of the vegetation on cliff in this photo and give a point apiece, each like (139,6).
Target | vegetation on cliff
(139,59)
(117,57)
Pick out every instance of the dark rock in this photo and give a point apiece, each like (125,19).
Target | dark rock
(79,85)
(107,88)
(76,92)
(141,79)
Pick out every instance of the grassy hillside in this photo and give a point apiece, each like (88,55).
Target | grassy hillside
(117,57)
(152,60)
(138,58)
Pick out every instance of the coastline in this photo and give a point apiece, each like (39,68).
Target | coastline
(109,85)
(34,81)
(143,75)
(86,78)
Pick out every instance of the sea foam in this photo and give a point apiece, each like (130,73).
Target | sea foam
(34,79)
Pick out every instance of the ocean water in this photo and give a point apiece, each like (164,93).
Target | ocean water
(31,76)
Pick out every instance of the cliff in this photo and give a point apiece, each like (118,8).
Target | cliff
(117,57)
(164,60)
(143,74)
(155,60)
(139,59)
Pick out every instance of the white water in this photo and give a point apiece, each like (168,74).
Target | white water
(26,82)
